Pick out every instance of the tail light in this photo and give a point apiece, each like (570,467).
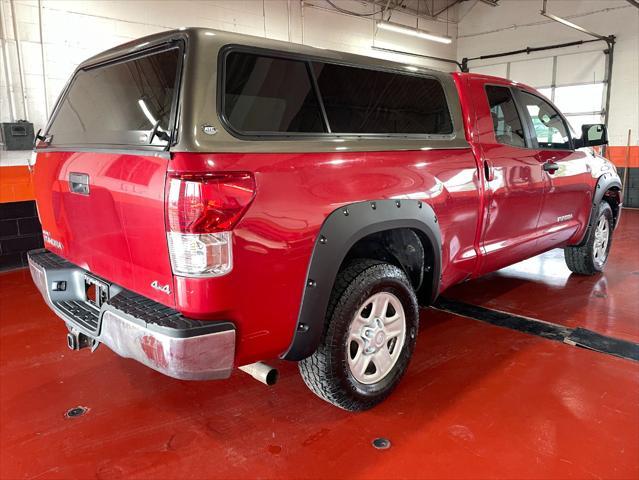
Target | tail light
(202,210)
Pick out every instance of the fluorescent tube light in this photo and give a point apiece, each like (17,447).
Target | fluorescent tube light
(146,111)
(148,114)
(413,32)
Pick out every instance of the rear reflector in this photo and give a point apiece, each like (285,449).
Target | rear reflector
(202,209)
(207,203)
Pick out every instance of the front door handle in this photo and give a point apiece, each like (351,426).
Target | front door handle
(550,167)
(79,183)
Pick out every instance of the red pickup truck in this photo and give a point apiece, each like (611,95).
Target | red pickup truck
(211,200)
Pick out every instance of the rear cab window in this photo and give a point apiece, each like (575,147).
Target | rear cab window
(266,95)
(507,123)
(128,102)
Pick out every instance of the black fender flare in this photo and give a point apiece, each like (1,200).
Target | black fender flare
(605,182)
(343,228)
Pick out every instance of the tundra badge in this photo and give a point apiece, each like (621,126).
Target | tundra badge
(49,240)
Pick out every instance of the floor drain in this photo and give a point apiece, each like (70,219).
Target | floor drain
(76,412)
(381,443)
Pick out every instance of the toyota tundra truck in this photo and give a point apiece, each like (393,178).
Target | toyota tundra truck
(211,200)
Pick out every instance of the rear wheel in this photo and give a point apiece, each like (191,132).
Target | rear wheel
(591,257)
(370,334)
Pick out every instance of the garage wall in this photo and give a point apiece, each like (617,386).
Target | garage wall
(75,30)
(517,24)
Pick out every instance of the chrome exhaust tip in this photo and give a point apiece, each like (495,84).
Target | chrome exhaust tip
(262,372)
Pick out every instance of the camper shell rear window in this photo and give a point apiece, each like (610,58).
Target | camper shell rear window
(127,102)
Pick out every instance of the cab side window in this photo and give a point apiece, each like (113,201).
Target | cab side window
(506,122)
(550,129)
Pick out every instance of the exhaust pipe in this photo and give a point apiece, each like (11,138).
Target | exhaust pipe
(77,340)
(262,372)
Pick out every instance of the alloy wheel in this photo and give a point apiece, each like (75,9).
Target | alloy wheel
(376,337)
(602,237)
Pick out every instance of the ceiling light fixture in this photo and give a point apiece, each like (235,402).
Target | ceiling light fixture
(413,32)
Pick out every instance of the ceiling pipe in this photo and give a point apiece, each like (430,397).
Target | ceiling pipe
(16,36)
(7,68)
(423,15)
(44,67)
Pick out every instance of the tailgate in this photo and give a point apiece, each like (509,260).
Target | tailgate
(115,227)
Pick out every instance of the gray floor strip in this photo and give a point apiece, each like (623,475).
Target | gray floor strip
(580,337)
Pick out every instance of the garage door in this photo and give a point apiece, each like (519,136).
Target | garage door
(575,82)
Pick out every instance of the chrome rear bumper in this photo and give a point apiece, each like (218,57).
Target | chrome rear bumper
(134,326)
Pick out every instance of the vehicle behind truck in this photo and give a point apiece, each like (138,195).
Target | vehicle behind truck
(212,200)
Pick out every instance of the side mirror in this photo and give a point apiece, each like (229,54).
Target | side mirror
(592,135)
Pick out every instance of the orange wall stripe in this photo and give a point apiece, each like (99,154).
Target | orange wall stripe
(617,155)
(15,184)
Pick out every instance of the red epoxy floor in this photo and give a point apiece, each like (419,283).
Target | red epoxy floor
(478,401)
(543,287)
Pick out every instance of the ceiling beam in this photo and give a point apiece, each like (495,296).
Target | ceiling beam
(425,13)
(437,14)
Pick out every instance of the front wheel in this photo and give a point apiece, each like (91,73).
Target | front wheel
(591,257)
(370,334)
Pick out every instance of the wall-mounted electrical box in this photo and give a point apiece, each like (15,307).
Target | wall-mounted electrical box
(17,135)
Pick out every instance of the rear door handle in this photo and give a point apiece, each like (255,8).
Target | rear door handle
(550,167)
(489,174)
(79,183)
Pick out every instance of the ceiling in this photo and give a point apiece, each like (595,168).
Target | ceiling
(427,8)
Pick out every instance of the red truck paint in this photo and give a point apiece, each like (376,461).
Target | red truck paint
(121,233)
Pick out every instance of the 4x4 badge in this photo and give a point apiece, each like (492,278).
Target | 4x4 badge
(209,129)
(162,288)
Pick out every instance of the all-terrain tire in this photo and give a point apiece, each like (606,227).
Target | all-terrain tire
(327,372)
(583,259)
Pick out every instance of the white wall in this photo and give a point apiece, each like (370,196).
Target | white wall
(75,30)
(517,24)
